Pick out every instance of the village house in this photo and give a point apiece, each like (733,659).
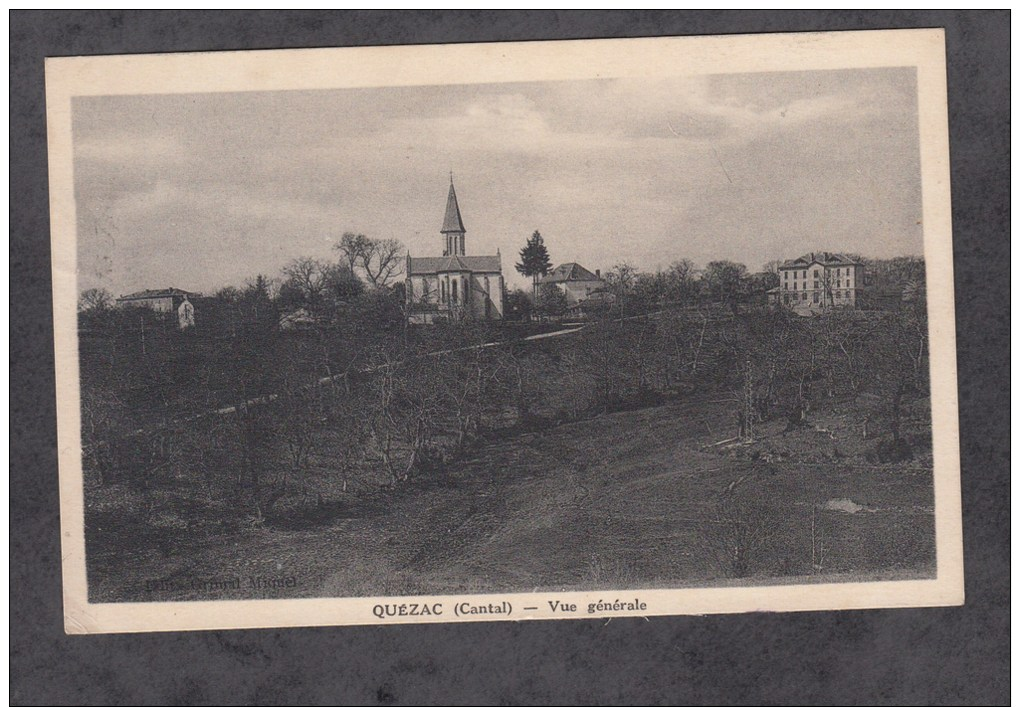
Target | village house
(169,301)
(455,285)
(817,281)
(298,320)
(575,281)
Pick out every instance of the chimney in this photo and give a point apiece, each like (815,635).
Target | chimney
(598,274)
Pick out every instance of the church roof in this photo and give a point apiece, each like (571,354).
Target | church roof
(452,222)
(454,263)
(569,272)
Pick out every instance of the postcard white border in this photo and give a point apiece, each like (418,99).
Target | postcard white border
(495,63)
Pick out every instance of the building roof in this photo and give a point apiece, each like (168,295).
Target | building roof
(823,258)
(452,222)
(454,263)
(156,294)
(569,272)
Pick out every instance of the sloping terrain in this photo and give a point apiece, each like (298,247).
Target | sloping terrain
(638,498)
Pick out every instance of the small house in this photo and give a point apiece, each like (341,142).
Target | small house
(577,282)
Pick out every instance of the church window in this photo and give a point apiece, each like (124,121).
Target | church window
(455,292)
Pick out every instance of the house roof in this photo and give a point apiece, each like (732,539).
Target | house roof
(298,315)
(454,263)
(157,294)
(569,272)
(452,222)
(823,258)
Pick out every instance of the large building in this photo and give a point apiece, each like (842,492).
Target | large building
(817,281)
(456,285)
(169,301)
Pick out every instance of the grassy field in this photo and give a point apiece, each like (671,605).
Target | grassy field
(640,498)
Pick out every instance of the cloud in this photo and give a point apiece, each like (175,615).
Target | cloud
(204,191)
(113,150)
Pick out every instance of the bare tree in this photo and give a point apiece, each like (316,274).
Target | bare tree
(898,368)
(308,277)
(406,405)
(350,247)
(379,261)
(471,382)
(103,415)
(95,299)
(514,371)
(383,262)
(347,434)
(620,281)
(726,282)
(383,411)
(681,282)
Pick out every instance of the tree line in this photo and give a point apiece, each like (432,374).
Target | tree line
(365,400)
(399,409)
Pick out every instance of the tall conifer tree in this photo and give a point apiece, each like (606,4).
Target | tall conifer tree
(534,261)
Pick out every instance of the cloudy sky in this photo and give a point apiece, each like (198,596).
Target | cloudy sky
(200,191)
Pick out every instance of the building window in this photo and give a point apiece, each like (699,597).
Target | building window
(786,276)
(839,295)
(815,298)
(816,274)
(803,295)
(455,292)
(816,283)
(786,285)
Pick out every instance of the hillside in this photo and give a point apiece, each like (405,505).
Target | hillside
(627,499)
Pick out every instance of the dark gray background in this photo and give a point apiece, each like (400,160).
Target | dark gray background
(957,655)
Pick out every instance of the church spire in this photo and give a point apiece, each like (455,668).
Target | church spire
(453,226)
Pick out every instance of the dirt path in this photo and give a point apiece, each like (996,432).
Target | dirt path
(625,499)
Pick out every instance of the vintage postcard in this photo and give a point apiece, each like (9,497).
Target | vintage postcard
(575,329)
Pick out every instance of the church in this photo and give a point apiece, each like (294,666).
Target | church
(454,286)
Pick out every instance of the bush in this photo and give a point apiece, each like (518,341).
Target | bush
(893,450)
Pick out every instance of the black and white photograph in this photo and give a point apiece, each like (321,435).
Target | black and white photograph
(467,337)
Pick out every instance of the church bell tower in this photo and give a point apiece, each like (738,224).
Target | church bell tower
(453,225)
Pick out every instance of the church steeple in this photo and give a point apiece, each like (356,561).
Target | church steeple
(453,226)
